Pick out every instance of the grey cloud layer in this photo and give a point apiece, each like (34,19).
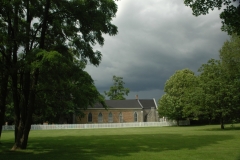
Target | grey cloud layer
(155,39)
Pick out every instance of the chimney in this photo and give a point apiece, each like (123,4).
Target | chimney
(136,97)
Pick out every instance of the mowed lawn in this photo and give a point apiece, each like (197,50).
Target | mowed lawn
(150,143)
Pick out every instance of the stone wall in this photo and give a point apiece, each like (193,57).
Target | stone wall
(150,115)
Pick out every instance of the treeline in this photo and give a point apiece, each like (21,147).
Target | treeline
(213,95)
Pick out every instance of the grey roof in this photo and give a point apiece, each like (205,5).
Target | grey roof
(147,103)
(127,104)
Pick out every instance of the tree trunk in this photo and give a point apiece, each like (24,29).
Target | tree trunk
(3,99)
(0,133)
(24,109)
(210,119)
(24,113)
(3,103)
(16,99)
(24,105)
(21,136)
(6,63)
(222,123)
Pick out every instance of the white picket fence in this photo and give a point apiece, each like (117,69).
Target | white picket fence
(98,125)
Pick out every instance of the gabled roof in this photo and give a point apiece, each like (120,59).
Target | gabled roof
(147,103)
(121,104)
(127,104)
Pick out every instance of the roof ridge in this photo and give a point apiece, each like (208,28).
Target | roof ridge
(139,103)
(155,103)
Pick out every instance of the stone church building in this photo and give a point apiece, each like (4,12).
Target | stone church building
(121,111)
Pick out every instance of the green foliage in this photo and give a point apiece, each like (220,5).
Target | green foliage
(221,85)
(176,90)
(230,15)
(194,100)
(217,90)
(44,46)
(64,87)
(230,57)
(213,95)
(117,91)
(167,107)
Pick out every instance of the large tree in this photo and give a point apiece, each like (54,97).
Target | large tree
(220,81)
(117,91)
(230,59)
(36,34)
(174,100)
(219,90)
(230,15)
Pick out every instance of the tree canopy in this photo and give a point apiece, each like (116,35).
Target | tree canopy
(174,100)
(117,91)
(230,15)
(212,95)
(220,82)
(218,92)
(44,47)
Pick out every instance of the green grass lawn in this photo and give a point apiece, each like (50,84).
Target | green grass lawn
(150,143)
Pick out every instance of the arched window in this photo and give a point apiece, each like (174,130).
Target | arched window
(89,117)
(100,118)
(120,117)
(135,117)
(110,117)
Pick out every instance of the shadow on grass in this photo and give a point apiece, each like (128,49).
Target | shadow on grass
(95,147)
(5,146)
(225,129)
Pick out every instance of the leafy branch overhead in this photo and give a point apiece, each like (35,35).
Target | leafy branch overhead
(230,15)
(44,47)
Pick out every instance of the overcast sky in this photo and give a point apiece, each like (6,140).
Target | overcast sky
(156,38)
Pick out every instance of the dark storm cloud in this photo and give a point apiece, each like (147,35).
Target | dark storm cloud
(155,39)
